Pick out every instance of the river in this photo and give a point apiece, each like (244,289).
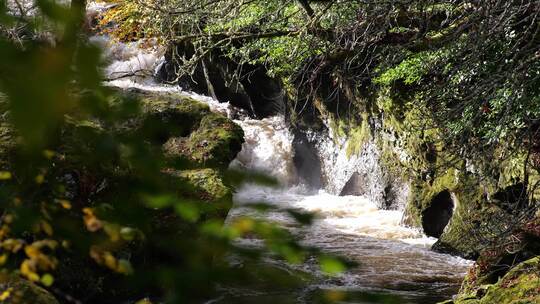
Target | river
(392,259)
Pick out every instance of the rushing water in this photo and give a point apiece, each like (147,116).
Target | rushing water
(392,259)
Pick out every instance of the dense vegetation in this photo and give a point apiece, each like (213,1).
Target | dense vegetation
(96,209)
(96,206)
(472,66)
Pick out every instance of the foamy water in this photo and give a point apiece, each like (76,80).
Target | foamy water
(267,148)
(391,257)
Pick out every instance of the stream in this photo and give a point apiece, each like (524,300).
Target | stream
(392,259)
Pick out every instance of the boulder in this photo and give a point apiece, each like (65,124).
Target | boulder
(521,285)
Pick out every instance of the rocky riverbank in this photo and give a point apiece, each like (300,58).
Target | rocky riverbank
(185,131)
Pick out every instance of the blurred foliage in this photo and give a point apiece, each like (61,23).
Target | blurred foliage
(92,209)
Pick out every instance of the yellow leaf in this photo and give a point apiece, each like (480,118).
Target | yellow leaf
(113,231)
(28,272)
(3,259)
(124,266)
(5,175)
(88,211)
(244,225)
(40,179)
(6,294)
(92,223)
(12,245)
(8,218)
(32,251)
(47,228)
(65,204)
(110,260)
(48,154)
(32,276)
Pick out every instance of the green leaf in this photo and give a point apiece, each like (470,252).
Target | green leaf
(159,201)
(47,280)
(187,211)
(331,265)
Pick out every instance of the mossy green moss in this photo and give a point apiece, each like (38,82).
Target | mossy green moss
(358,136)
(192,130)
(416,152)
(472,224)
(216,142)
(208,183)
(422,194)
(209,186)
(521,285)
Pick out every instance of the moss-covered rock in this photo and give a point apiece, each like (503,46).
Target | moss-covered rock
(520,285)
(520,244)
(209,182)
(214,143)
(186,128)
(190,147)
(16,290)
(208,185)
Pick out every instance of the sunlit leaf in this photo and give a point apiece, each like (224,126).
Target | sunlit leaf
(331,265)
(47,279)
(5,175)
(187,211)
(128,233)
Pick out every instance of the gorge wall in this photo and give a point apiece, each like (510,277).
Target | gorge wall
(375,144)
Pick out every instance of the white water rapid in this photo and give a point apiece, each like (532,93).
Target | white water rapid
(392,258)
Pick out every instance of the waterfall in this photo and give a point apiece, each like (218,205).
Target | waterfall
(268,148)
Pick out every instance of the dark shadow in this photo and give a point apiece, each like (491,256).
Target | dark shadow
(438,214)
(512,199)
(356,185)
(306,161)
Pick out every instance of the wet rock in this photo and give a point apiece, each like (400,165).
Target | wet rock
(208,140)
(478,221)
(356,185)
(208,186)
(519,285)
